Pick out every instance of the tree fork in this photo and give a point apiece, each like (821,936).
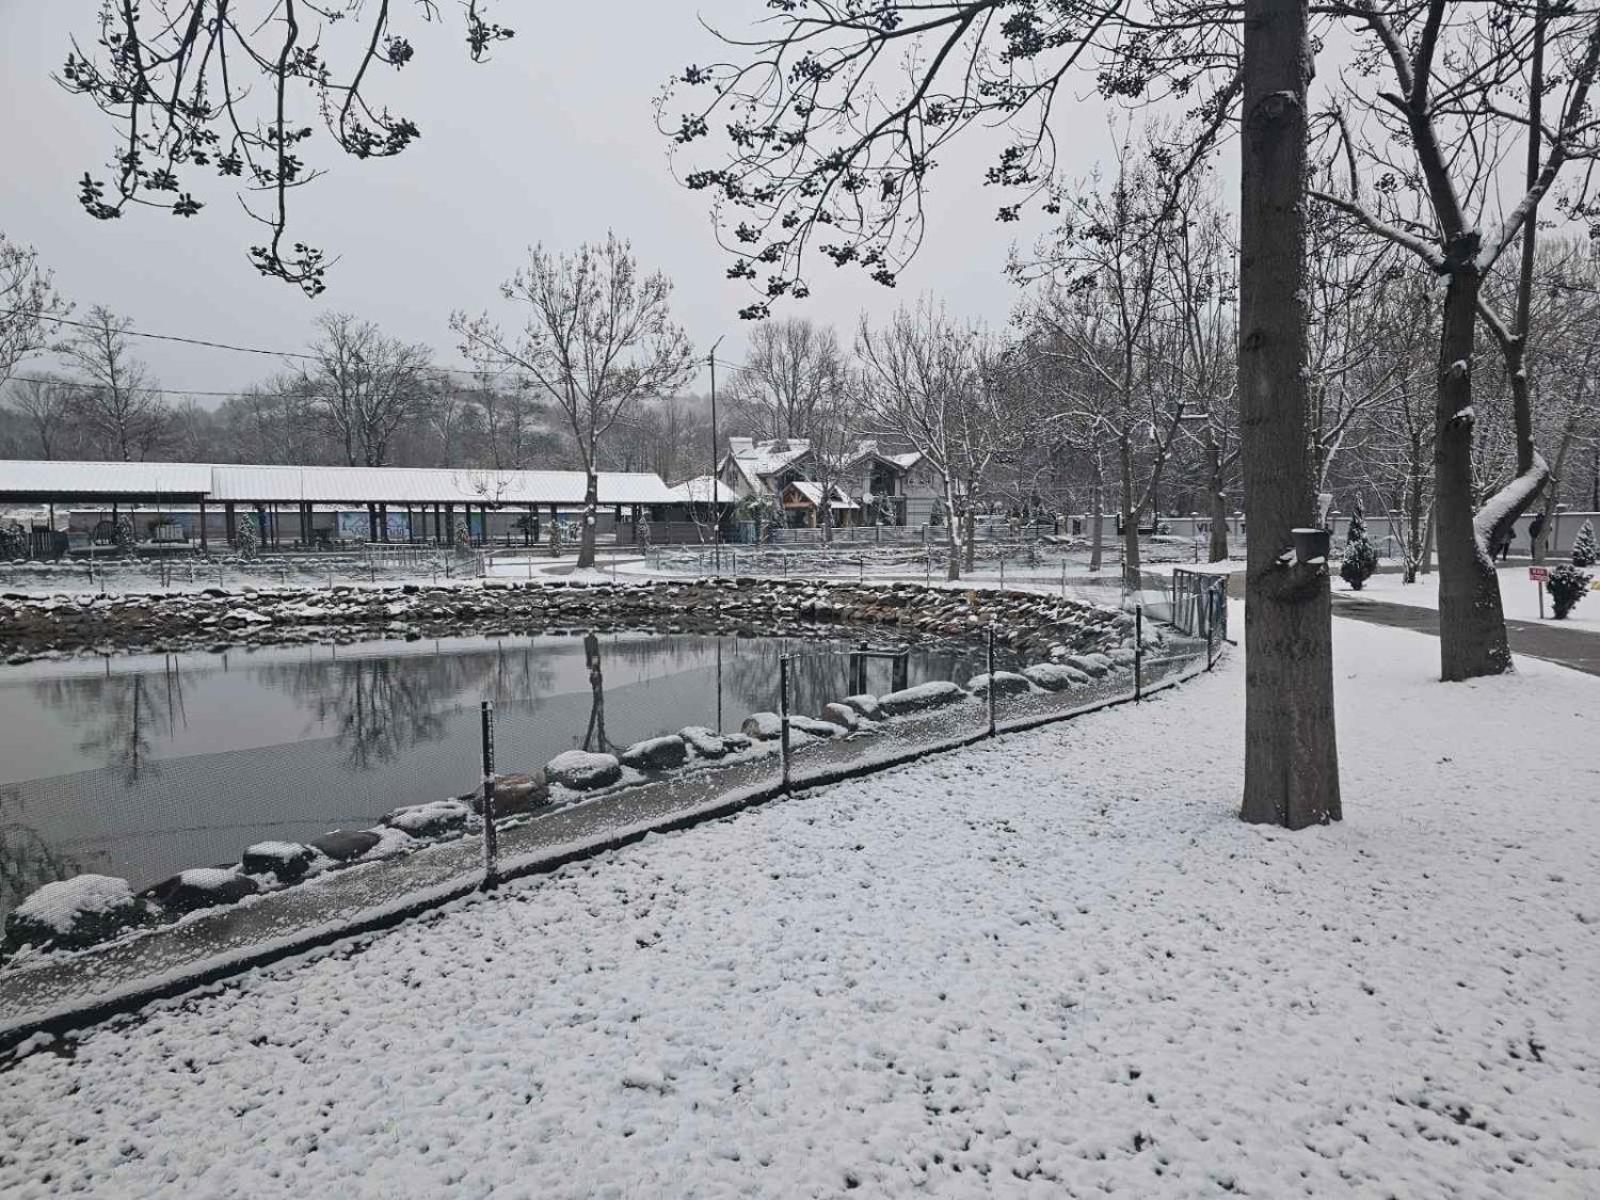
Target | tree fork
(1291,753)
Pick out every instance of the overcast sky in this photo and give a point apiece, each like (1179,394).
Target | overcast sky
(553,141)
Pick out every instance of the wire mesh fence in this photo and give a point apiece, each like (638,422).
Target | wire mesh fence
(328,786)
(114,574)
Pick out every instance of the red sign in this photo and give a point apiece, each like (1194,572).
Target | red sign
(1538,574)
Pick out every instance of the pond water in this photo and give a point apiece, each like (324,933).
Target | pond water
(141,766)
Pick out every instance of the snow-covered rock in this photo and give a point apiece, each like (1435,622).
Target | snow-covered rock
(202,887)
(517,793)
(1055,677)
(704,742)
(390,843)
(429,820)
(934,694)
(841,714)
(1005,683)
(816,728)
(1093,665)
(582,770)
(763,726)
(72,913)
(656,754)
(866,705)
(344,845)
(284,861)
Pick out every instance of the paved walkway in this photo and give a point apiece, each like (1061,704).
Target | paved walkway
(1570,647)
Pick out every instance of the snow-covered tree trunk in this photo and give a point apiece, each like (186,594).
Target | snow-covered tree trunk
(952,530)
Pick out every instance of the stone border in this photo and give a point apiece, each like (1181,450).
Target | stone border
(66,625)
(35,927)
(128,999)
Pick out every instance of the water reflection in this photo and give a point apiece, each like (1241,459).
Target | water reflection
(141,767)
(27,863)
(122,717)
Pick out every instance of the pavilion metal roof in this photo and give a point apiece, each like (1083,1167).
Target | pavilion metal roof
(21,478)
(250,484)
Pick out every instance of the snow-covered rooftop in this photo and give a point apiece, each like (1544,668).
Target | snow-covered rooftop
(701,490)
(760,458)
(813,493)
(245,483)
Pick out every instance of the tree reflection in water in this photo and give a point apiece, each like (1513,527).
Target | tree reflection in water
(594,738)
(123,715)
(26,862)
(378,708)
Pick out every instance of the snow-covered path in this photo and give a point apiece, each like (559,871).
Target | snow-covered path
(1053,965)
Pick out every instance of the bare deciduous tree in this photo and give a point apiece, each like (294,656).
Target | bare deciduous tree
(938,386)
(46,406)
(364,387)
(598,338)
(1437,134)
(27,301)
(124,415)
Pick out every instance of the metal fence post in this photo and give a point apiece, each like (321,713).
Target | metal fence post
(1138,651)
(783,716)
(491,837)
(990,688)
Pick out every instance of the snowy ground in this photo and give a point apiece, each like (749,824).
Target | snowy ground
(1056,965)
(1518,594)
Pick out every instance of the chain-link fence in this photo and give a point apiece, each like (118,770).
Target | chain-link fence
(114,574)
(1067,568)
(254,801)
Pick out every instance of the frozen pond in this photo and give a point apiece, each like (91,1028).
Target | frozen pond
(143,766)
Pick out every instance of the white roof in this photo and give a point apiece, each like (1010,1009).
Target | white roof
(104,478)
(813,493)
(758,459)
(221,482)
(700,490)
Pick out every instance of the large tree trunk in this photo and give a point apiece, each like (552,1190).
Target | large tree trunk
(1472,628)
(1291,772)
(591,514)
(969,532)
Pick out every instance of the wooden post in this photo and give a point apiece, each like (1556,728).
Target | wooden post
(230,522)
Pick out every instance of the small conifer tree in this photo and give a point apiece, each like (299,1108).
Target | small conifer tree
(1585,550)
(1360,556)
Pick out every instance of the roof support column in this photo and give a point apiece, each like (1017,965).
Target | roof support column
(205,546)
(230,523)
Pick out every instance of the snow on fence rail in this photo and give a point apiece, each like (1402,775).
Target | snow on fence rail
(836,710)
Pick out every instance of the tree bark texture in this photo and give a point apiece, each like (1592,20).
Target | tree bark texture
(1472,628)
(1291,753)
(591,514)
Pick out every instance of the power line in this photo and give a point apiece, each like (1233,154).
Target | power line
(214,345)
(170,337)
(94,387)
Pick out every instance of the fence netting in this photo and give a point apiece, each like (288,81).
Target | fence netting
(152,768)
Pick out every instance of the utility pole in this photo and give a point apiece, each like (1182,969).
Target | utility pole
(716,512)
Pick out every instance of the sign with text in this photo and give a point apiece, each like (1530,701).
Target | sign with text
(1538,574)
